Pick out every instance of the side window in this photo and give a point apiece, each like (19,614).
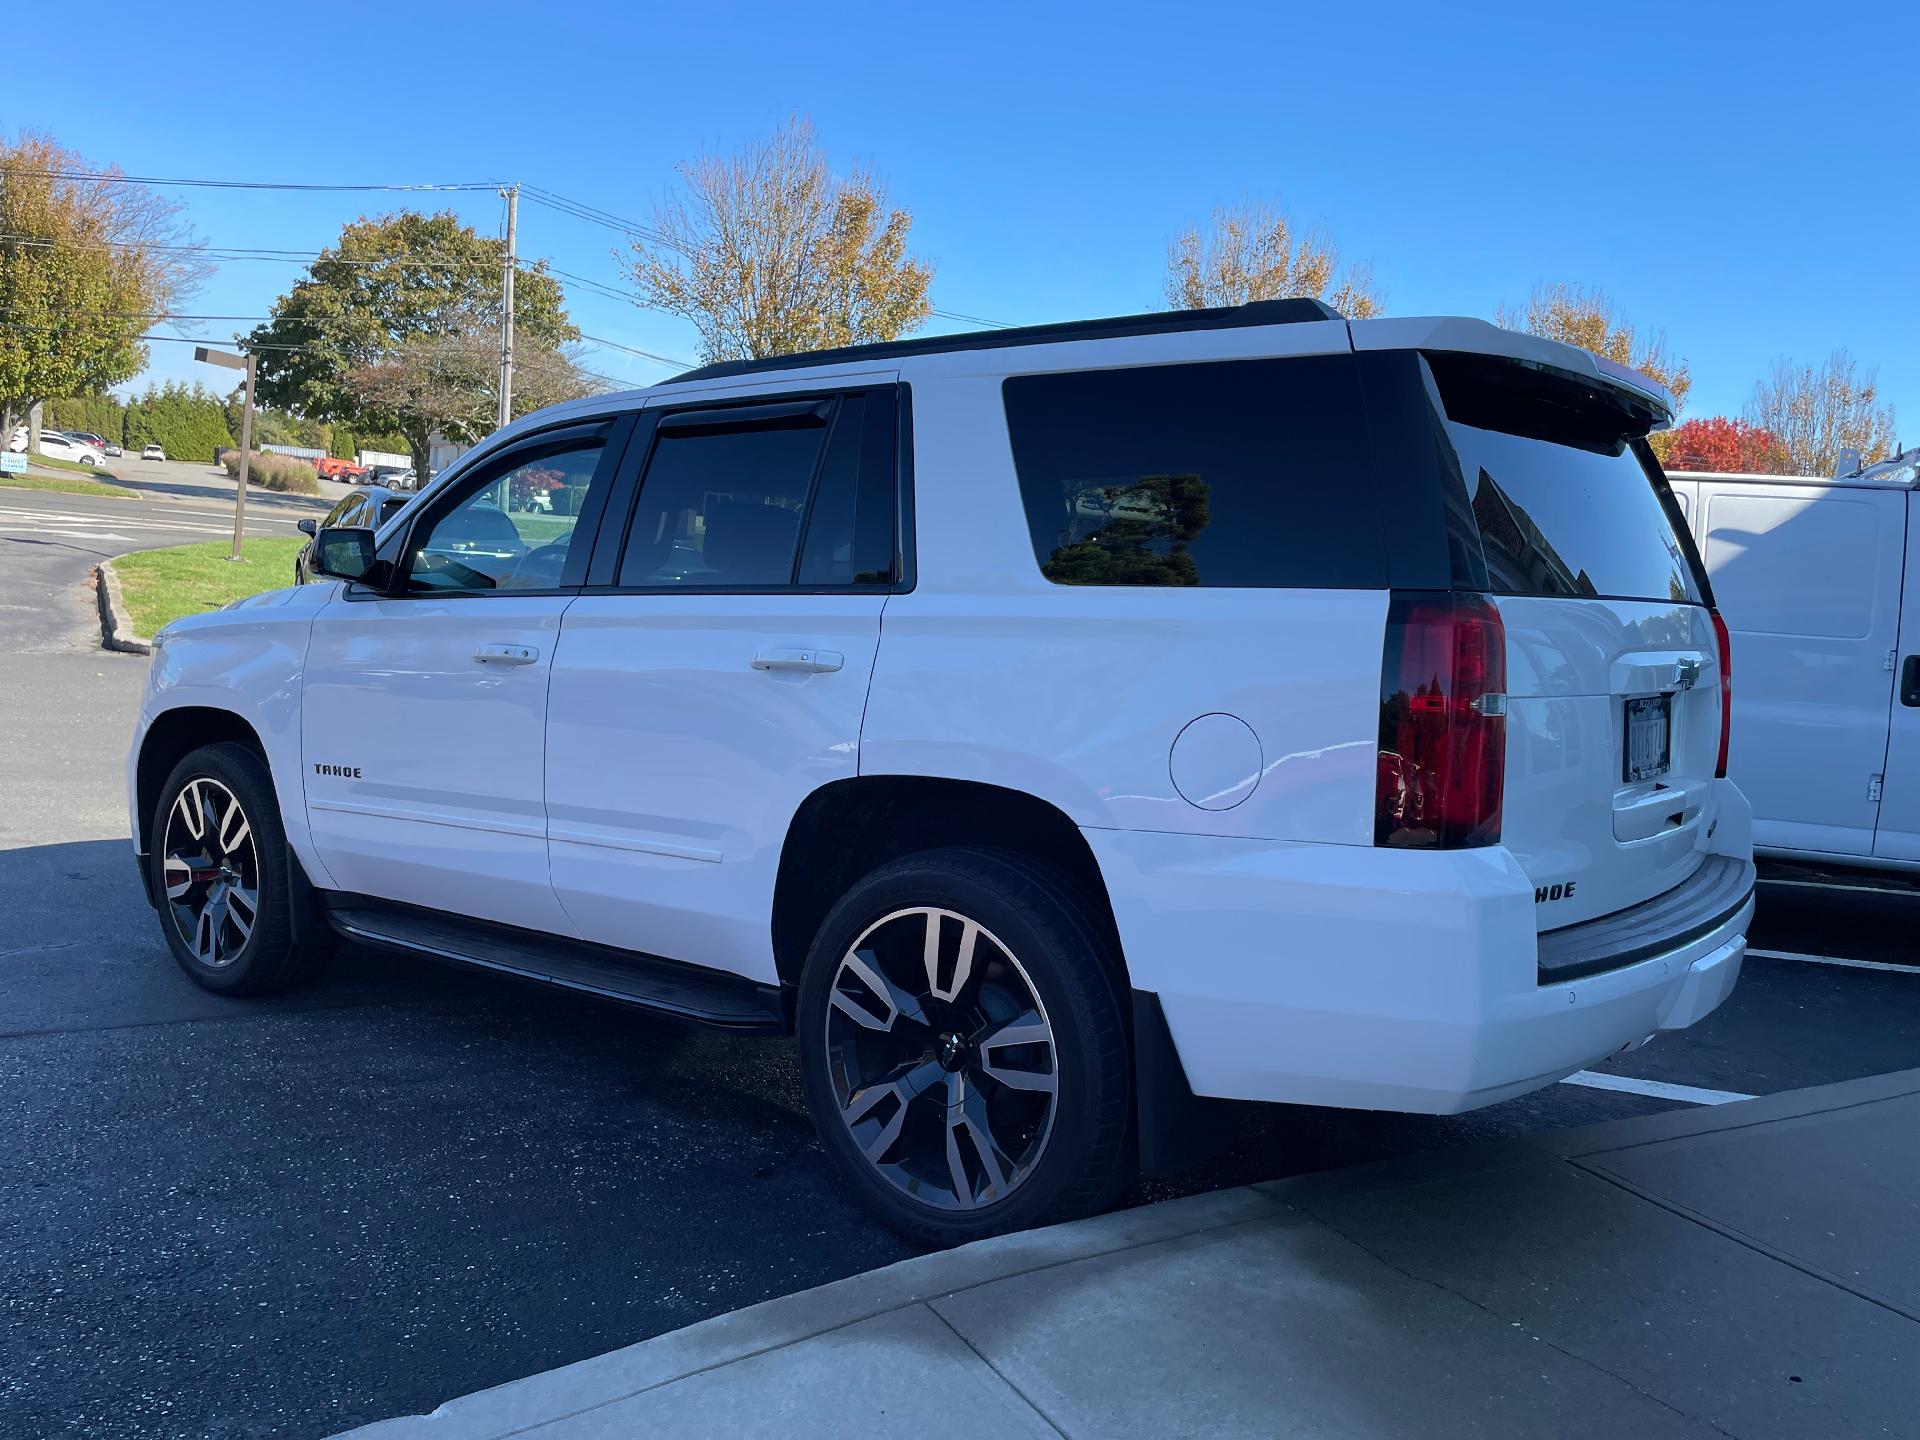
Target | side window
(343,514)
(850,536)
(1249,473)
(723,506)
(511,531)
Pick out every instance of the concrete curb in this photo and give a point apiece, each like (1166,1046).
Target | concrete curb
(605,1379)
(116,625)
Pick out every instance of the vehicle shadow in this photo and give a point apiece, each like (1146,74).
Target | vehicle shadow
(218,488)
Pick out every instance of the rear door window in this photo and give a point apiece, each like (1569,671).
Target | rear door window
(1564,504)
(1242,473)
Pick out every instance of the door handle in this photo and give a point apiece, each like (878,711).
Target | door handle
(505,655)
(1910,681)
(795,660)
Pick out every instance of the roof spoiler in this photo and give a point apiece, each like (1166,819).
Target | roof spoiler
(1460,335)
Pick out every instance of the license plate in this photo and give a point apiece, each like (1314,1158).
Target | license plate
(1649,737)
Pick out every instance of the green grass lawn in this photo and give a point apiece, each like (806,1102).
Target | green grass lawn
(66,486)
(163,585)
(539,530)
(54,462)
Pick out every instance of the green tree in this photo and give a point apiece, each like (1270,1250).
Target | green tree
(187,421)
(399,285)
(1253,251)
(100,415)
(768,252)
(86,266)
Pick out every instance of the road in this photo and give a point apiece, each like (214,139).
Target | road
(288,1216)
(50,542)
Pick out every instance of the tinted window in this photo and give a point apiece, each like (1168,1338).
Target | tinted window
(1239,473)
(850,533)
(343,514)
(512,530)
(723,507)
(1562,520)
(1550,469)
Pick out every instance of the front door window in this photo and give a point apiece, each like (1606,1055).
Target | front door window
(512,533)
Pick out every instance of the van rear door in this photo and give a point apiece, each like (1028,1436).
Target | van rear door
(1613,693)
(1807,577)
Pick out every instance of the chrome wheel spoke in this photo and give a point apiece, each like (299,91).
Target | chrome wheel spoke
(878,990)
(233,829)
(970,1130)
(191,814)
(178,876)
(1030,1034)
(206,933)
(243,908)
(902,1090)
(963,960)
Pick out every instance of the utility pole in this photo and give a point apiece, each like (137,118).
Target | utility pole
(236,362)
(512,194)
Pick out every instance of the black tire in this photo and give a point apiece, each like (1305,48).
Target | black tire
(1041,942)
(263,958)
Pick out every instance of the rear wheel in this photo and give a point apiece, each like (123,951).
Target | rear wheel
(962,1047)
(220,874)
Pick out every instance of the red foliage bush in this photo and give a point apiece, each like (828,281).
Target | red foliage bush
(1717,443)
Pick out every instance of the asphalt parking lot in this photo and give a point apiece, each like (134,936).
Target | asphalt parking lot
(286,1217)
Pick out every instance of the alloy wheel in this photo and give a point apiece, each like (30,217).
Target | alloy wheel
(941,1058)
(211,870)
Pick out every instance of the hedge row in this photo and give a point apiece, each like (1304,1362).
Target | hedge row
(186,421)
(275,472)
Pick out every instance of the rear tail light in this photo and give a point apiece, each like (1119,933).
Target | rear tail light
(1443,723)
(1726,692)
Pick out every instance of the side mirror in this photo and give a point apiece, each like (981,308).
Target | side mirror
(307,526)
(342,552)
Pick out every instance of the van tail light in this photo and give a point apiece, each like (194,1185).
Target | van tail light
(1726,692)
(1443,722)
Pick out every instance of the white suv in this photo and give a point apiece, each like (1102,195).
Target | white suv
(1052,728)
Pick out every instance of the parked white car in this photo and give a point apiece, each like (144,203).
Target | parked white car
(152,452)
(1053,728)
(59,446)
(1820,582)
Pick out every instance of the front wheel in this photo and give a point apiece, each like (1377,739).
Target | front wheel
(963,1048)
(221,877)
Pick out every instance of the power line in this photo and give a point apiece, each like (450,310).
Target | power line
(972,319)
(113,177)
(633,350)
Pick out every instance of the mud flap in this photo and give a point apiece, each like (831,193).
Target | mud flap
(1176,1128)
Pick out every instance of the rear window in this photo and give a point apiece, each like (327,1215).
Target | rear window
(1562,501)
(1235,473)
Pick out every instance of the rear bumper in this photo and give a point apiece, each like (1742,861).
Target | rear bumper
(1375,979)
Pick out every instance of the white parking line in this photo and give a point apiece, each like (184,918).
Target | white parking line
(1906,890)
(1657,1089)
(1834,960)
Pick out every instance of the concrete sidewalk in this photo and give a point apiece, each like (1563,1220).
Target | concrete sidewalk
(1749,1269)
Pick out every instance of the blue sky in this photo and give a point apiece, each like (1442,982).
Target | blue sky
(1737,175)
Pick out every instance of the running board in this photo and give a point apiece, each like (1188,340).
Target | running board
(666,987)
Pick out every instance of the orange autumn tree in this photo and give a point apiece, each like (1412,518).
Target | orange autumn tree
(1716,443)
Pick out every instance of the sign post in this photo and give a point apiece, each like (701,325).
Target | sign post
(237,362)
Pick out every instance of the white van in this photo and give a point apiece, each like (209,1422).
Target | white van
(1811,576)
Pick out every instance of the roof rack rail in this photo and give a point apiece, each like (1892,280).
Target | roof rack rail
(1257,312)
